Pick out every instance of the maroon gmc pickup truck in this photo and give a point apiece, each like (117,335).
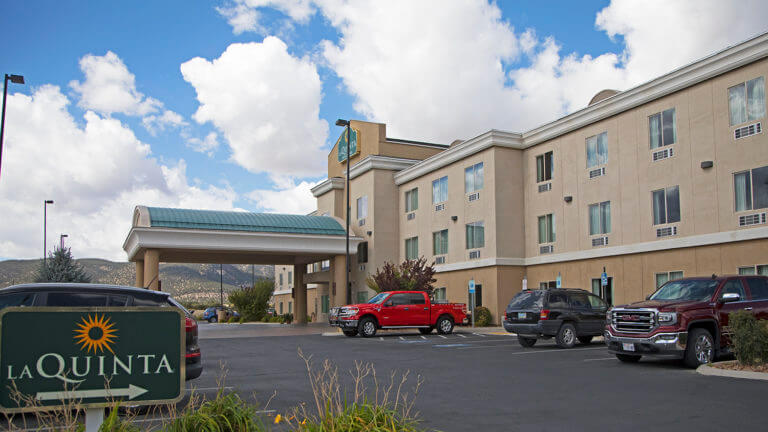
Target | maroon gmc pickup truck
(398,309)
(685,318)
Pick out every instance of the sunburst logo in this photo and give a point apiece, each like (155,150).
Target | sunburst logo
(95,333)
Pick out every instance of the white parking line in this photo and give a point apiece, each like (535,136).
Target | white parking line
(479,334)
(402,338)
(381,338)
(460,335)
(535,351)
(424,337)
(598,359)
(442,336)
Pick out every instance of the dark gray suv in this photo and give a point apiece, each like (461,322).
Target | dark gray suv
(85,295)
(567,315)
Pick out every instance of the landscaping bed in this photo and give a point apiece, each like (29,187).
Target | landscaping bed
(734,365)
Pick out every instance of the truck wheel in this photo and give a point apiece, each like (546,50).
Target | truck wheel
(526,342)
(444,325)
(213,319)
(628,358)
(566,336)
(367,327)
(585,339)
(350,333)
(700,349)
(425,331)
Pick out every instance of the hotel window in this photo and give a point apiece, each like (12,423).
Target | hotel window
(412,248)
(440,242)
(440,190)
(750,189)
(746,101)
(362,253)
(281,279)
(597,150)
(290,278)
(412,200)
(290,307)
(662,278)
(547,284)
(325,265)
(544,167)
(438,293)
(281,308)
(362,297)
(475,235)
(362,207)
(547,228)
(666,205)
(753,270)
(473,178)
(662,128)
(600,218)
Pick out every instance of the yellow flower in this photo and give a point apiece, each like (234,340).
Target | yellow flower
(278,418)
(303,422)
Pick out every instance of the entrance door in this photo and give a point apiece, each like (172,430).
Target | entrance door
(604,292)
(478,298)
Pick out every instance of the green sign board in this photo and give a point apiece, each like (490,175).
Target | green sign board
(90,356)
(341,144)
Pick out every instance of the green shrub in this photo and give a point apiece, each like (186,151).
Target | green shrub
(287,318)
(225,413)
(252,302)
(232,319)
(241,320)
(266,319)
(483,317)
(365,417)
(114,423)
(749,338)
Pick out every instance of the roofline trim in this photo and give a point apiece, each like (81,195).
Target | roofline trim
(327,186)
(380,162)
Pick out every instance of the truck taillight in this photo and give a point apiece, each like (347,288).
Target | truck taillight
(544,314)
(505,316)
(190,324)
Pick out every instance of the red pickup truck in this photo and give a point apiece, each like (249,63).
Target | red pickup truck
(398,309)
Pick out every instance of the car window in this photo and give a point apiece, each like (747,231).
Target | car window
(16,299)
(145,301)
(527,300)
(558,300)
(579,300)
(65,299)
(759,288)
(734,286)
(400,299)
(117,300)
(597,302)
(417,299)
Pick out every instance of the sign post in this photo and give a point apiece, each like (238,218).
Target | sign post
(472,297)
(559,282)
(603,283)
(90,358)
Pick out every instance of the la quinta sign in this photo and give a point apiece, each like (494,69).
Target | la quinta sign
(90,356)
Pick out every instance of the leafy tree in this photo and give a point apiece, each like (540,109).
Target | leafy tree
(61,267)
(410,275)
(252,302)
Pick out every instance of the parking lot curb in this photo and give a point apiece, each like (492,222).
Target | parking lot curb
(713,371)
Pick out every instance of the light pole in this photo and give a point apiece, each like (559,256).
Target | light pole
(345,123)
(16,79)
(61,240)
(45,227)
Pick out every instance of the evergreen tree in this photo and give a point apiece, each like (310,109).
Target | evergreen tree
(61,267)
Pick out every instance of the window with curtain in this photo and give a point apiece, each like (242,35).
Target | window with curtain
(600,218)
(666,205)
(438,293)
(362,207)
(440,190)
(473,178)
(750,189)
(475,235)
(746,101)
(662,278)
(752,270)
(597,150)
(547,228)
(662,128)
(412,248)
(411,200)
(440,242)
(362,253)
(544,167)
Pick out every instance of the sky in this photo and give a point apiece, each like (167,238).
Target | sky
(231,104)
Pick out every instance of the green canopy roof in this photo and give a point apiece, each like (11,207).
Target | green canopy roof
(243,221)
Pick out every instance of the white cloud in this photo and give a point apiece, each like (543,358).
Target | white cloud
(109,87)
(266,104)
(95,172)
(288,197)
(244,16)
(169,119)
(207,145)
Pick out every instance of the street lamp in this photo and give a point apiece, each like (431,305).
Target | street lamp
(345,123)
(45,226)
(16,79)
(61,240)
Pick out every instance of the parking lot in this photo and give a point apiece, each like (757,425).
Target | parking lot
(488,382)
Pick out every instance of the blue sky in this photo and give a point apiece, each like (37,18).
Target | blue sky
(432,71)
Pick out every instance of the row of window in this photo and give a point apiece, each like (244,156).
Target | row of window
(474,179)
(746,103)
(290,278)
(475,239)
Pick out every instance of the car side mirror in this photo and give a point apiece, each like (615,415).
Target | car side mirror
(648,297)
(389,304)
(730,297)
